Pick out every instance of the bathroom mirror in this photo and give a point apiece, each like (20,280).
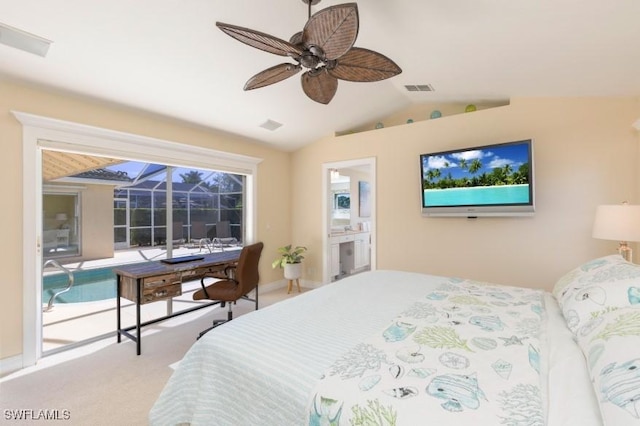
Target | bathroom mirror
(341,197)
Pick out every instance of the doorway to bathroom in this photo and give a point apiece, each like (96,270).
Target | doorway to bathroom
(349,189)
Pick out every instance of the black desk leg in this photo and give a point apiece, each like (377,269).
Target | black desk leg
(138,335)
(118,308)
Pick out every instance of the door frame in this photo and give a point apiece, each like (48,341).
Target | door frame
(41,133)
(327,207)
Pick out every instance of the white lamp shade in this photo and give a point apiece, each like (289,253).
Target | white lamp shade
(620,222)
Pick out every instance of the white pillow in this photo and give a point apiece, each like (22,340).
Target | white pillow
(597,287)
(611,346)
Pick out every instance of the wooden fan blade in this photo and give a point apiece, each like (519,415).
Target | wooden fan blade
(272,75)
(333,29)
(360,64)
(319,85)
(296,39)
(260,40)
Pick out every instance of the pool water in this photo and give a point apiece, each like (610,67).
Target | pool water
(89,286)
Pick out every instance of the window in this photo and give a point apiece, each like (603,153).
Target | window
(60,227)
(198,196)
(342,201)
(43,133)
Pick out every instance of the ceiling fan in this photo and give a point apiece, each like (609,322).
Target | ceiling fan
(324,47)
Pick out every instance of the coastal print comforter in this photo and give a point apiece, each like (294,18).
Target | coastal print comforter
(466,353)
(482,346)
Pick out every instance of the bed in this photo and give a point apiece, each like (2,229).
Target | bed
(401,348)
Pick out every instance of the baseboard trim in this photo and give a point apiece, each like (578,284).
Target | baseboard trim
(10,365)
(272,286)
(277,285)
(310,284)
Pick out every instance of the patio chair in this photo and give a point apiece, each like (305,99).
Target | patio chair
(223,236)
(200,235)
(178,233)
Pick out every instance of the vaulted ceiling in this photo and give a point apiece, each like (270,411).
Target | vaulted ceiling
(167,57)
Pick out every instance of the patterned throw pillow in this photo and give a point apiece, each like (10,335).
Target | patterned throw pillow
(597,287)
(611,346)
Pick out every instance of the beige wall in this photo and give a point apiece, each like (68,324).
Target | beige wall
(97,222)
(586,153)
(273,181)
(96,218)
(422,112)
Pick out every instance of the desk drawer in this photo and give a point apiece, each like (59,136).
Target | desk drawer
(161,293)
(340,239)
(196,274)
(219,269)
(154,288)
(159,281)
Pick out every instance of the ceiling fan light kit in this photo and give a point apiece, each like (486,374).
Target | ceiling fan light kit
(324,48)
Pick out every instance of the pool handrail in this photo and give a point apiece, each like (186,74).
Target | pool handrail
(64,290)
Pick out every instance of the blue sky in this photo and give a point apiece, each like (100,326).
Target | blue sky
(491,157)
(133,168)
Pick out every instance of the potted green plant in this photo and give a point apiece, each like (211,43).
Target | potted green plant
(290,260)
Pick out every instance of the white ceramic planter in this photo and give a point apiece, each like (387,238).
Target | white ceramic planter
(292,271)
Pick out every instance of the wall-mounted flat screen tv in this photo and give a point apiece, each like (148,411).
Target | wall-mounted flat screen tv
(489,180)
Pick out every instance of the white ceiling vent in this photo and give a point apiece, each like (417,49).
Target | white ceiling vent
(23,40)
(271,125)
(419,88)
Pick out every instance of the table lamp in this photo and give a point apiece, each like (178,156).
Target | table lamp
(620,222)
(62,218)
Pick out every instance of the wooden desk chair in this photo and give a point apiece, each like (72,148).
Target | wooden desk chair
(234,282)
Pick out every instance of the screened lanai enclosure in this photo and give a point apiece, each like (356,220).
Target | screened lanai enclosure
(152,205)
(200,202)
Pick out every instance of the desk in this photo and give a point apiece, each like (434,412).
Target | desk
(153,281)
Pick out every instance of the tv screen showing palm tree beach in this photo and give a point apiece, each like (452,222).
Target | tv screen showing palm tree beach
(492,175)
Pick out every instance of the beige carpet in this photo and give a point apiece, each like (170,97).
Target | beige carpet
(111,385)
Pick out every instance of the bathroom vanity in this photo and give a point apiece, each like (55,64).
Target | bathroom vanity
(350,253)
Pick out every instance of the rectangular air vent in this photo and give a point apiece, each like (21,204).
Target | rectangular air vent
(271,125)
(419,88)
